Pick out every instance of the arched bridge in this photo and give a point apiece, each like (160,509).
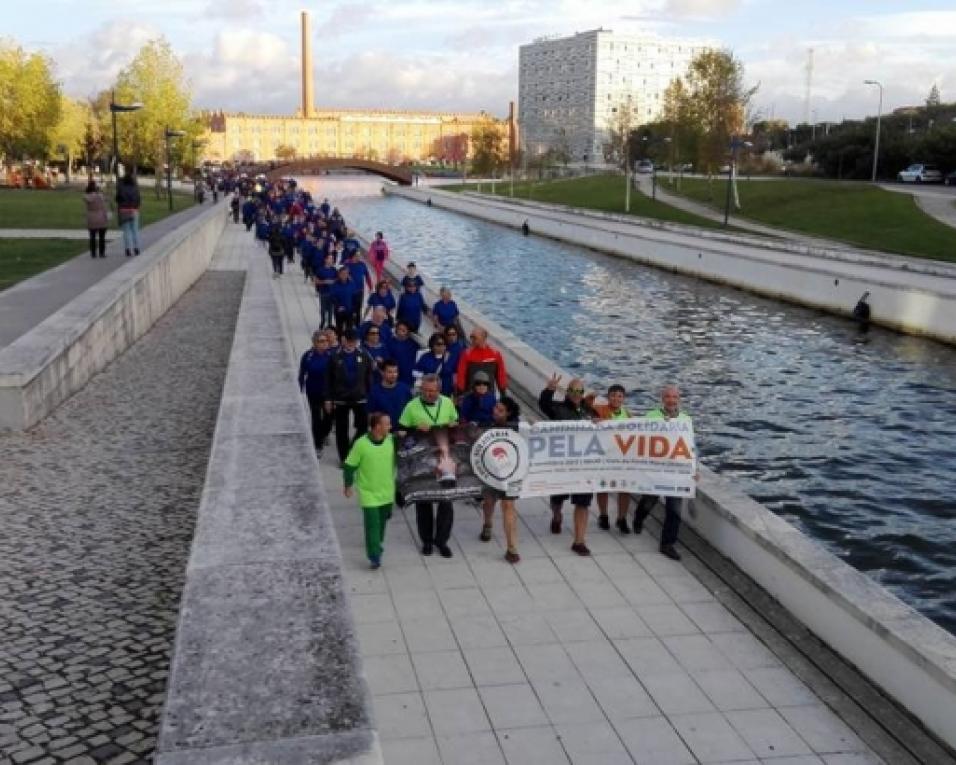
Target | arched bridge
(318,165)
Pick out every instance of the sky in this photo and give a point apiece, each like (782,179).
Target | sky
(243,55)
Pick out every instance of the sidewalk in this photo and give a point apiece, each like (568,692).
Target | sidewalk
(29,302)
(623,657)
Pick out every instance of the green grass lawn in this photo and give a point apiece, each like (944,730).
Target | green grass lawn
(856,213)
(22,258)
(64,208)
(594,192)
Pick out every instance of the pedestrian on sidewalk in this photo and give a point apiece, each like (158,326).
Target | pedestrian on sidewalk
(370,467)
(424,413)
(506,414)
(128,202)
(481,357)
(276,251)
(573,407)
(312,374)
(614,410)
(97,219)
(669,409)
(348,383)
(378,253)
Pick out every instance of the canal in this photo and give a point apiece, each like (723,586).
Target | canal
(853,443)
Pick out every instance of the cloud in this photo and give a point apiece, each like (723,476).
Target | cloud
(92,63)
(699,9)
(233,9)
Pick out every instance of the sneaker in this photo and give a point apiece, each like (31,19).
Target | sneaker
(556,523)
(580,548)
(622,526)
(375,563)
(444,551)
(670,552)
(604,522)
(427,548)
(485,535)
(512,557)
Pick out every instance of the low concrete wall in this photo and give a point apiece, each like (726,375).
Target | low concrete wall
(907,294)
(57,358)
(899,649)
(266,667)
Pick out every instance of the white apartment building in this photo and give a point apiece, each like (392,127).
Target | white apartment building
(570,88)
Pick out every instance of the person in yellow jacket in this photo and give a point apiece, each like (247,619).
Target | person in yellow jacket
(370,467)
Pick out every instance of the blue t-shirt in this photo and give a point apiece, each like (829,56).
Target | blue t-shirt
(387,301)
(411,306)
(475,408)
(342,294)
(312,372)
(430,364)
(324,272)
(389,400)
(445,313)
(404,352)
(360,275)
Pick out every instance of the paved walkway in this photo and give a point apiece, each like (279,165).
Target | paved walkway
(624,657)
(97,507)
(54,233)
(29,302)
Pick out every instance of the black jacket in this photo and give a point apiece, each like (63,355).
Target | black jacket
(337,386)
(127,195)
(564,410)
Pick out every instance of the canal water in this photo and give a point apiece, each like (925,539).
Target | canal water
(855,444)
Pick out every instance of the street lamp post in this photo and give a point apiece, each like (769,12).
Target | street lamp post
(167,133)
(735,143)
(114,109)
(879,116)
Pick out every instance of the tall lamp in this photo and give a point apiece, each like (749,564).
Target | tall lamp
(168,134)
(115,109)
(879,116)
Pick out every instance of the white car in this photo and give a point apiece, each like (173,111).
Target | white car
(645,167)
(920,174)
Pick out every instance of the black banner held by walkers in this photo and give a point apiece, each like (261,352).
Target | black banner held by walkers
(436,465)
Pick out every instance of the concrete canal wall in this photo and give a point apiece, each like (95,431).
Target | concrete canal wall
(266,667)
(907,294)
(892,644)
(57,358)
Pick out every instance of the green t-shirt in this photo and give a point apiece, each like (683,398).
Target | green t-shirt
(417,412)
(658,414)
(373,468)
(620,414)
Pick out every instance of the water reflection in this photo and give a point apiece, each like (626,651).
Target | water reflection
(853,443)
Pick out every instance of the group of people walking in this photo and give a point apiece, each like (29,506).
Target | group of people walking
(367,378)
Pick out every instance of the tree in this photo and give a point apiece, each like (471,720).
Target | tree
(933,98)
(716,100)
(29,102)
(285,152)
(155,78)
(620,126)
(490,147)
(67,139)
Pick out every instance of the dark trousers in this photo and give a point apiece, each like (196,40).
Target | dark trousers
(97,235)
(434,528)
(321,420)
(276,263)
(671,515)
(326,311)
(343,321)
(359,418)
(357,299)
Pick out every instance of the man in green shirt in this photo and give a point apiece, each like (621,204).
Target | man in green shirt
(427,411)
(370,467)
(668,410)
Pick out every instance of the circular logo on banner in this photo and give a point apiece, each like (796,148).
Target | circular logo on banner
(500,459)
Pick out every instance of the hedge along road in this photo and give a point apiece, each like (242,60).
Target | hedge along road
(851,442)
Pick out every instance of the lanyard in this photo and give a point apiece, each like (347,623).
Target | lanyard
(437,405)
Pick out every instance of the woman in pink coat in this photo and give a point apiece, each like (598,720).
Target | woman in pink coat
(378,254)
(97,219)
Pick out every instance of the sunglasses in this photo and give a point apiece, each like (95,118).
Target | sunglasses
(576,390)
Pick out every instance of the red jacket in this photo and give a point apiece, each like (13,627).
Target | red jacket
(485,359)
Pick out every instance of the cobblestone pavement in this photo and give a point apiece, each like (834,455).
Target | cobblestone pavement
(97,505)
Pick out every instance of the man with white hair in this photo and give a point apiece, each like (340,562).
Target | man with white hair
(668,410)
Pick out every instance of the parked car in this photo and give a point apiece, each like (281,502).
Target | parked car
(920,173)
(644,167)
(950,180)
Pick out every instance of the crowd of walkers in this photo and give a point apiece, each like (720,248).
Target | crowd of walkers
(368,378)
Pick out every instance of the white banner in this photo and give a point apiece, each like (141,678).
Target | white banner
(638,456)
